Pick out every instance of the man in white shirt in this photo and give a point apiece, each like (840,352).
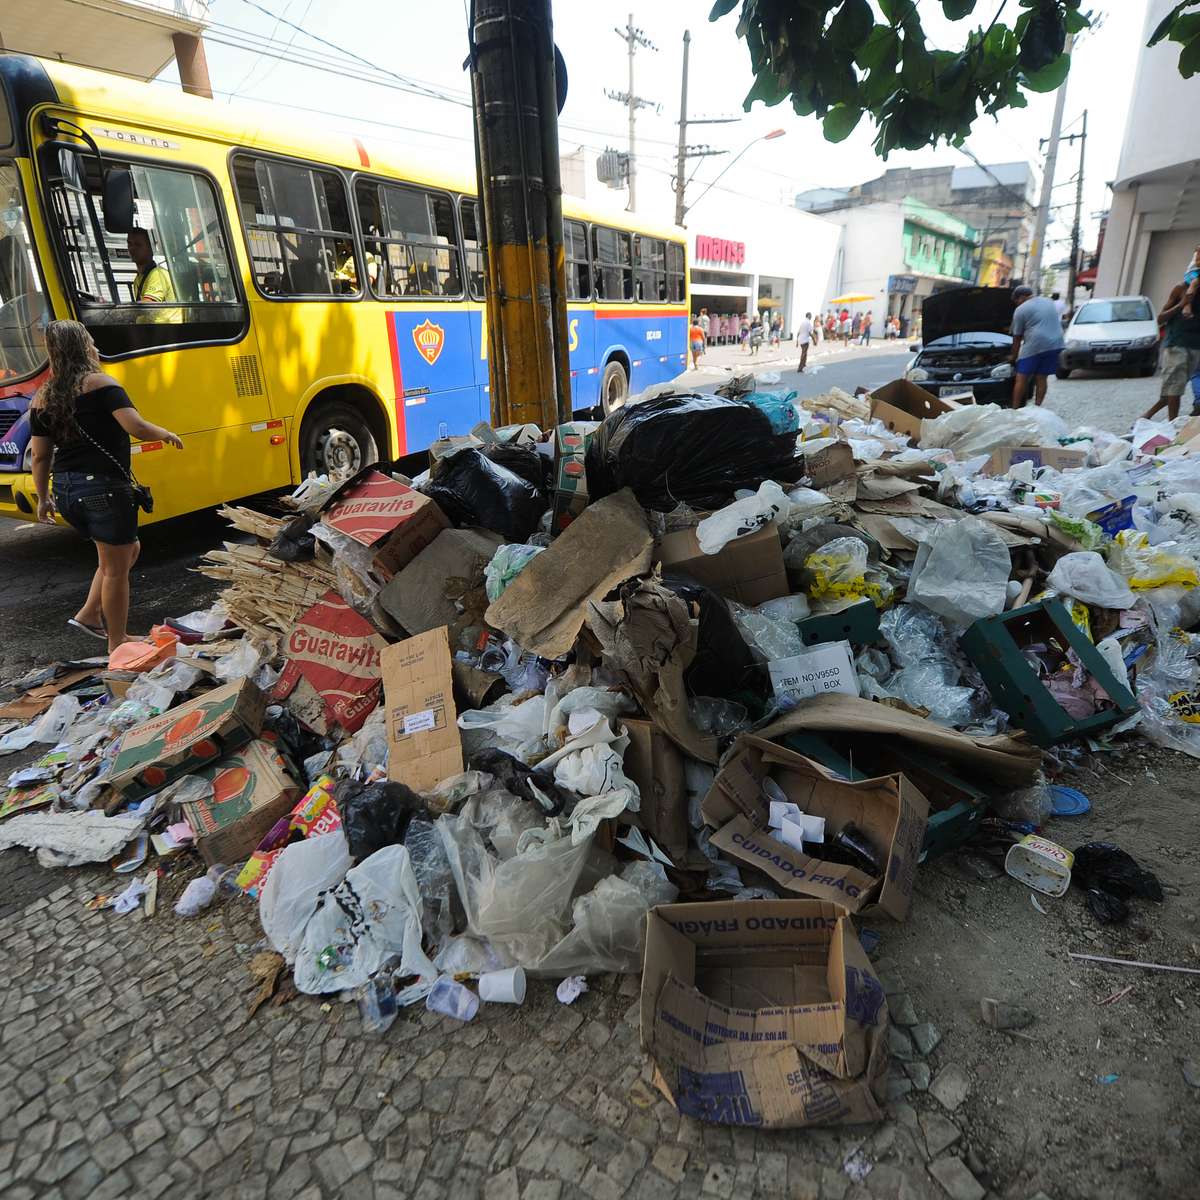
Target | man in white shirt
(1060,305)
(804,336)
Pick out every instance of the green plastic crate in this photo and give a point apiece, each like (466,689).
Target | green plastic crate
(858,624)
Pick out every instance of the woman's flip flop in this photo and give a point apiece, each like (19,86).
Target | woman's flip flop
(96,631)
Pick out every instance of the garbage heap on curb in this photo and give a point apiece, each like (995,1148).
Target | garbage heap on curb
(689,691)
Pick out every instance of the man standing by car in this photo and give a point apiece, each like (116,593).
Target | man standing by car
(1181,352)
(1037,343)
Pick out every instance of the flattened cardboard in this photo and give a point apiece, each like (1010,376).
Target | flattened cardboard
(1006,761)
(337,651)
(252,789)
(1061,458)
(178,741)
(655,764)
(748,569)
(901,405)
(544,608)
(829,465)
(424,746)
(764,1013)
(35,701)
(377,511)
(889,810)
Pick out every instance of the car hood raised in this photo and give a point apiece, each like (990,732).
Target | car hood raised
(966,310)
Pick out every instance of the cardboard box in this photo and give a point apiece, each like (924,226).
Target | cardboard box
(178,741)
(417,596)
(570,472)
(252,789)
(823,668)
(338,652)
(1059,457)
(749,569)
(424,746)
(889,810)
(655,764)
(390,517)
(764,1013)
(901,405)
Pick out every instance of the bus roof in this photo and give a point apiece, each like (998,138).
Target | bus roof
(167,110)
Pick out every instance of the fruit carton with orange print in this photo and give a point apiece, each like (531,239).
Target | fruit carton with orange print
(195,734)
(252,789)
(379,512)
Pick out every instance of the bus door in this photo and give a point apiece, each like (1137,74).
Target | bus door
(175,330)
(581,317)
(413,262)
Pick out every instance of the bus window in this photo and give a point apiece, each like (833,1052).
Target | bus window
(188,272)
(412,234)
(468,210)
(297,224)
(614,267)
(22,304)
(651,268)
(675,289)
(579,267)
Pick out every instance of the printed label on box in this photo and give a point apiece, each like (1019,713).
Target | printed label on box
(416,722)
(825,668)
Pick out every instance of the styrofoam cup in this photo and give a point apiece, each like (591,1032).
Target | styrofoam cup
(503,987)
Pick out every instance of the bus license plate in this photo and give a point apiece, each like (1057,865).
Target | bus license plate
(1108,358)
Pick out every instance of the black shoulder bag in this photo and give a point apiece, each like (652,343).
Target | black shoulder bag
(141,493)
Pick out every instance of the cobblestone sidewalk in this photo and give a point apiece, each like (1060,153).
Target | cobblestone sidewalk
(133,1071)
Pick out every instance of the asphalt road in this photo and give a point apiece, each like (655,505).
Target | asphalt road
(866,370)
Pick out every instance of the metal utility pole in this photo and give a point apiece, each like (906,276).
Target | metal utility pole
(685,151)
(633,38)
(1076,232)
(1043,211)
(514,89)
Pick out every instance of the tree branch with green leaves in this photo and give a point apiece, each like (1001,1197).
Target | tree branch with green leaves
(843,59)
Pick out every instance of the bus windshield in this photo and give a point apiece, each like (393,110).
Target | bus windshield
(22,304)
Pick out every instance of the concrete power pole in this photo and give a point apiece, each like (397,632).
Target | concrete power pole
(681,154)
(1076,232)
(1043,211)
(633,38)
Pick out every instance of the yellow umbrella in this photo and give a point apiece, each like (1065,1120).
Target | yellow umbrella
(853,298)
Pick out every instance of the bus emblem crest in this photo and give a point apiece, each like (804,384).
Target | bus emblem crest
(429,340)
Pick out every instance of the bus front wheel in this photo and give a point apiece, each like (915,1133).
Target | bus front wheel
(335,440)
(614,388)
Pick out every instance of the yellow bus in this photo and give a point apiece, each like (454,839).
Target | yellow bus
(324,304)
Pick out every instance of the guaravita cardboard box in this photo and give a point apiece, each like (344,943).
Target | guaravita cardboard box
(764,1013)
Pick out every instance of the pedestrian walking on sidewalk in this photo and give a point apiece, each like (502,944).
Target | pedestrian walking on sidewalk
(756,336)
(1181,351)
(696,341)
(865,335)
(81,421)
(804,337)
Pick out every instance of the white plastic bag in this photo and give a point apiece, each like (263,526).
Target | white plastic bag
(742,517)
(373,914)
(517,729)
(961,571)
(1087,577)
(301,874)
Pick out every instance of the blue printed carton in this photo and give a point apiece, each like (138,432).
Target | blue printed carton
(764,1013)
(887,816)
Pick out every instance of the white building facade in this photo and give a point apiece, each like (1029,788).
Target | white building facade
(1154,223)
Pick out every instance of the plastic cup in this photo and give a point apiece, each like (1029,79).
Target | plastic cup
(451,999)
(503,987)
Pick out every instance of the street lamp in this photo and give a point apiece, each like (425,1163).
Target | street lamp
(766,137)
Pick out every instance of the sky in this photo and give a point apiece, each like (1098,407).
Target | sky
(404,39)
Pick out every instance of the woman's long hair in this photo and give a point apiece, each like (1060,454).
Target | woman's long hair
(73,357)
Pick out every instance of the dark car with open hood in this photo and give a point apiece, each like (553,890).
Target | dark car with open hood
(966,344)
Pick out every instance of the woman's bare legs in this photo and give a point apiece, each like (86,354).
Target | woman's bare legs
(115,565)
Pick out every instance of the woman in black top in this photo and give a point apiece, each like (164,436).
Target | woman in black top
(84,419)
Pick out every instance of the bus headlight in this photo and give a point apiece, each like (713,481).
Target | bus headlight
(27,461)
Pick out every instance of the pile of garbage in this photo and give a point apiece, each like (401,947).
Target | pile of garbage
(683,692)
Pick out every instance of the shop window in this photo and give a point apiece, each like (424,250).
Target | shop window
(579,267)
(650,275)
(411,244)
(297,223)
(675,273)
(468,211)
(188,293)
(614,265)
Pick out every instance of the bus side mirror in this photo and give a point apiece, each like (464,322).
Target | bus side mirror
(118,200)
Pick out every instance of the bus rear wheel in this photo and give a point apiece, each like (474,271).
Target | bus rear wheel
(614,388)
(335,440)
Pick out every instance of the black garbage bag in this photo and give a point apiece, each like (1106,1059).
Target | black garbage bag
(694,449)
(294,543)
(534,468)
(723,666)
(375,815)
(1109,876)
(471,489)
(538,787)
(1105,907)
